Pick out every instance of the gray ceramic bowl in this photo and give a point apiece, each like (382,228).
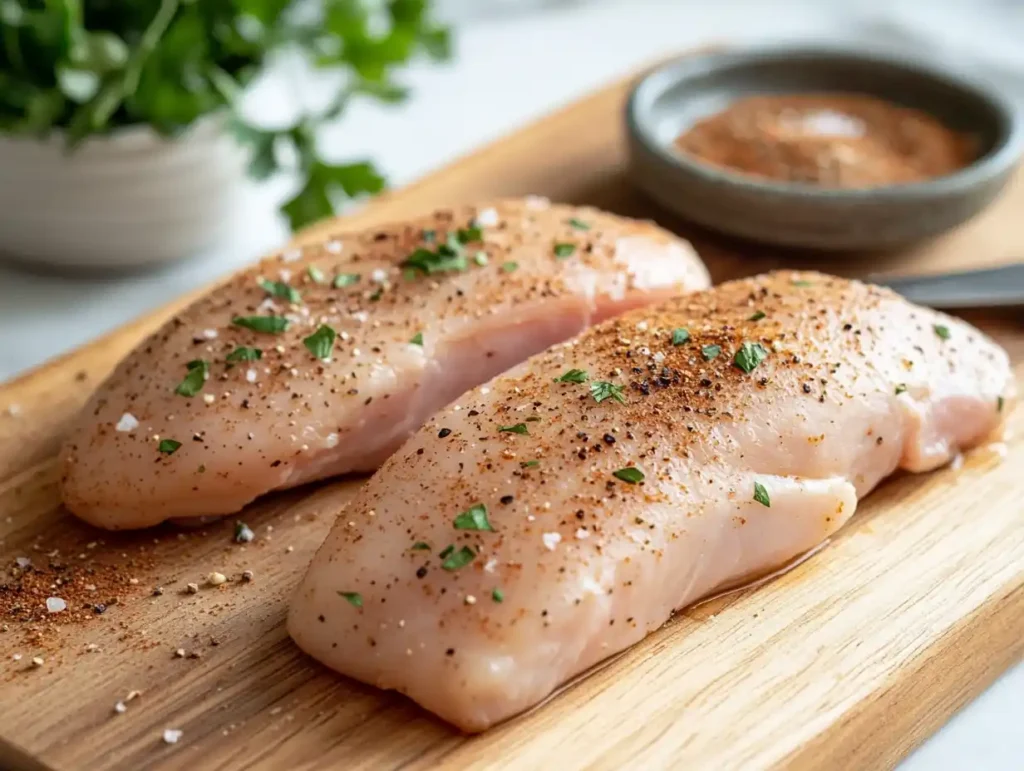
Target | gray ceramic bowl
(670,99)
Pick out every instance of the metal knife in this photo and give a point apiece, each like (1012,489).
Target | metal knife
(1000,287)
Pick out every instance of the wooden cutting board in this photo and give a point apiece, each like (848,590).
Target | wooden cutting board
(848,661)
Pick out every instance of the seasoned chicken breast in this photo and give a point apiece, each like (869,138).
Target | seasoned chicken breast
(322,362)
(561,512)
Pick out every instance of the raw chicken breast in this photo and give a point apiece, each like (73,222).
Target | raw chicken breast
(323,362)
(560,513)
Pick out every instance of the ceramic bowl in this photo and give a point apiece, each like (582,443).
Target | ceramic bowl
(124,201)
(673,97)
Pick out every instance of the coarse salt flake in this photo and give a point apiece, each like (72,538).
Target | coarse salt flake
(171,735)
(23,562)
(120,708)
(210,334)
(128,422)
(332,440)
(659,357)
(582,533)
(642,326)
(285,274)
(55,604)
(551,540)
(209,398)
(250,375)
(490,565)
(291,255)
(379,275)
(487,218)
(333,246)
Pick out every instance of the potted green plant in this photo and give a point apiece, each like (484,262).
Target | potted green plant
(121,137)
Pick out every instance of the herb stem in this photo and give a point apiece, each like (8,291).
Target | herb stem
(147,43)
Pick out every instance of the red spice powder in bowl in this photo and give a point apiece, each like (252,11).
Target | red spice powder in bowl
(826,148)
(832,140)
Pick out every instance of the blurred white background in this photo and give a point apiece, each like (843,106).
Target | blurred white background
(516,60)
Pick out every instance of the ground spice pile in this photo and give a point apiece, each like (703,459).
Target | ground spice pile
(57,588)
(832,140)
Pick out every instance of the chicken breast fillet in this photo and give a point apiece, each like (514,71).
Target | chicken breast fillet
(323,362)
(563,511)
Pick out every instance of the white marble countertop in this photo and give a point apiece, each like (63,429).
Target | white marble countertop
(519,62)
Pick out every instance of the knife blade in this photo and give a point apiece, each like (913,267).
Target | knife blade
(1000,287)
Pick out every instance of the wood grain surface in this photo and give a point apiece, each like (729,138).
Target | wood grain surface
(846,662)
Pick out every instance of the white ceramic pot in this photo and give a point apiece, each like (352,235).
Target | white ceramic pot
(126,200)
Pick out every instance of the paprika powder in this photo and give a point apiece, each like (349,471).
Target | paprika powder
(831,140)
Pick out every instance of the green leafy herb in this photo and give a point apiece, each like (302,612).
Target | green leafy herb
(481,259)
(508,267)
(629,474)
(243,353)
(601,390)
(282,290)
(518,428)
(470,234)
(801,282)
(446,551)
(942,331)
(459,559)
(316,275)
(749,356)
(756,316)
(529,464)
(579,224)
(564,250)
(243,533)
(345,279)
(574,376)
(77,69)
(321,342)
(198,372)
(354,598)
(421,546)
(498,596)
(168,446)
(417,339)
(429,236)
(680,336)
(474,518)
(999,404)
(448,257)
(900,388)
(761,495)
(272,325)
(710,352)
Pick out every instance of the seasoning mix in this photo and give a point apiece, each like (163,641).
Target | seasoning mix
(831,140)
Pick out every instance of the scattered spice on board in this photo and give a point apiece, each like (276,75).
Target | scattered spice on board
(832,140)
(60,588)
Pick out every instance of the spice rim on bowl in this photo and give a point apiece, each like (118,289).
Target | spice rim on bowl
(674,97)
